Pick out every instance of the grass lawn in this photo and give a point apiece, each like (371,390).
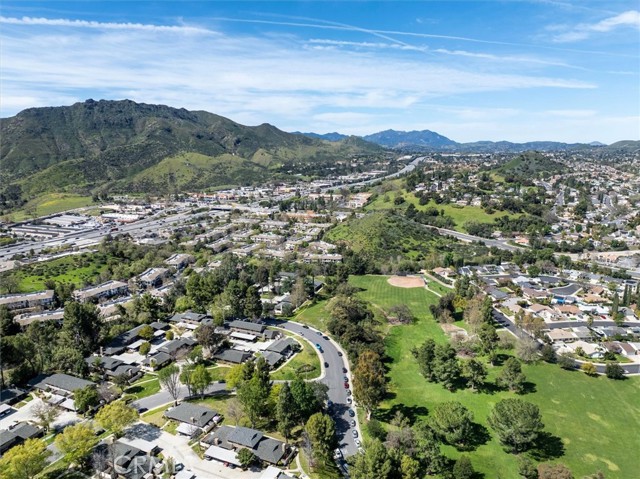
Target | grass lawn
(315,315)
(52,203)
(437,287)
(218,373)
(77,269)
(156,416)
(306,357)
(460,214)
(142,389)
(596,419)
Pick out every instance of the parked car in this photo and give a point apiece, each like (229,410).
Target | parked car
(352,413)
(344,370)
(349,400)
(346,385)
(339,353)
(326,365)
(354,432)
(352,423)
(357,442)
(345,379)
(348,392)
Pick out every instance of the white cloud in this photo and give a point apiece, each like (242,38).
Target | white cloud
(63,22)
(583,31)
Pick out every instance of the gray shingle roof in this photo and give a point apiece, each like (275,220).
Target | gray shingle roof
(60,381)
(192,414)
(248,326)
(281,345)
(269,450)
(245,436)
(232,356)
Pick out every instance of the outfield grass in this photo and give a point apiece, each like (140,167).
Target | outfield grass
(52,203)
(306,357)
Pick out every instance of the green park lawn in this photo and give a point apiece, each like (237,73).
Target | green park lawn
(594,421)
(143,388)
(307,358)
(314,315)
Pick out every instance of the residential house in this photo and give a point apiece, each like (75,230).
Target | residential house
(38,299)
(228,439)
(247,327)
(232,356)
(192,418)
(156,361)
(105,290)
(179,261)
(26,319)
(177,347)
(120,342)
(152,277)
(61,388)
(561,335)
(112,368)
(191,318)
(17,434)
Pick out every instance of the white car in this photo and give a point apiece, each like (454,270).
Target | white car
(357,442)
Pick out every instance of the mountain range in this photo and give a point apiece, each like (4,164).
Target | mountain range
(427,140)
(96,146)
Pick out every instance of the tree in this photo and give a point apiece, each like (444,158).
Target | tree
(169,377)
(614,371)
(526,468)
(452,422)
(146,332)
(589,369)
(81,326)
(116,417)
(235,376)
(488,338)
(518,423)
(410,468)
(376,462)
(615,305)
(86,398)
(548,353)
(446,367)
(200,380)
(45,414)
(252,303)
(285,411)
(475,373)
(298,292)
(322,434)
(145,348)
(76,442)
(511,376)
(246,458)
(24,461)
(234,410)
(401,313)
(463,469)
(369,382)
(527,349)
(425,356)
(305,399)
(566,362)
(169,335)
(554,471)
(206,335)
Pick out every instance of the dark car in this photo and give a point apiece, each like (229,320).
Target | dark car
(326,365)
(346,385)
(339,353)
(305,326)
(319,333)
(352,413)
(345,379)
(344,370)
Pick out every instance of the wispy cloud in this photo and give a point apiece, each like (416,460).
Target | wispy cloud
(63,22)
(583,31)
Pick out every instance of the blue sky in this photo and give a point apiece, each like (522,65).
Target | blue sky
(510,70)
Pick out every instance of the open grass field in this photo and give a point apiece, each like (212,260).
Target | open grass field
(307,357)
(77,269)
(594,419)
(460,214)
(314,315)
(51,203)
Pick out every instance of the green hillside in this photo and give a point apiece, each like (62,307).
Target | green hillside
(98,146)
(528,165)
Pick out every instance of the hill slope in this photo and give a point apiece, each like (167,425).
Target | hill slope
(399,139)
(122,143)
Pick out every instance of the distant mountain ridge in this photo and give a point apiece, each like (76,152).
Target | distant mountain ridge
(105,145)
(427,140)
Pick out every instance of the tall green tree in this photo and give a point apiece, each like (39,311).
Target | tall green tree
(322,434)
(252,303)
(206,335)
(511,376)
(518,423)
(488,338)
(463,469)
(116,417)
(452,422)
(24,461)
(86,398)
(369,381)
(285,411)
(475,373)
(200,380)
(81,326)
(169,378)
(76,443)
(375,462)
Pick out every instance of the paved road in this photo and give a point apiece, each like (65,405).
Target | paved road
(333,355)
(470,238)
(508,324)
(163,397)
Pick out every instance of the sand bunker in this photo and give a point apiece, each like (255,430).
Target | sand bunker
(406,282)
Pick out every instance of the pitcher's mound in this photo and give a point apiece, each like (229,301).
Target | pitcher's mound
(406,282)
